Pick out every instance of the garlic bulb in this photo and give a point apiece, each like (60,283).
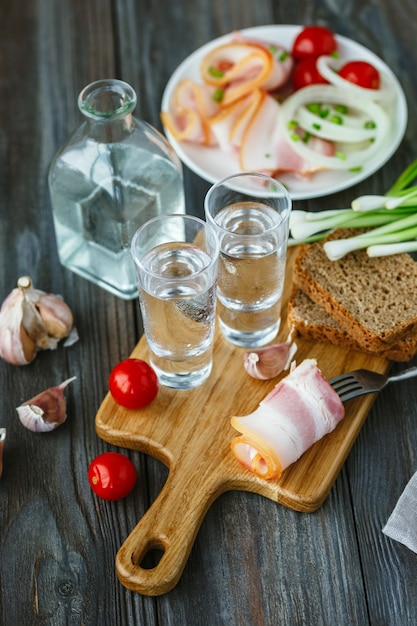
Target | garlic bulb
(31,320)
(46,411)
(270,361)
(2,439)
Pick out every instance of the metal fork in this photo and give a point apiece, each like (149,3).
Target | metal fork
(360,382)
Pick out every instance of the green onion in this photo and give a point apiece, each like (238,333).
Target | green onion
(317,109)
(368,203)
(404,180)
(216,73)
(392,248)
(390,220)
(341,108)
(303,226)
(314,107)
(387,234)
(218,95)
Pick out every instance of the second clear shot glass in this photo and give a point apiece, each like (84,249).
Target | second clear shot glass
(250,213)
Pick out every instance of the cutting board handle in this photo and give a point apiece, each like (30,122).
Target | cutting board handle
(169,527)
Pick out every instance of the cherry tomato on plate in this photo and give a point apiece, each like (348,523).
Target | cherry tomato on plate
(112,475)
(306,73)
(314,41)
(133,383)
(361,73)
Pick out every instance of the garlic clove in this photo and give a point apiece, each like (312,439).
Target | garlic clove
(28,345)
(16,347)
(270,361)
(2,440)
(46,317)
(45,411)
(56,315)
(32,320)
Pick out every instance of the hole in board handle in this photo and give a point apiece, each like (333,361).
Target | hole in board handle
(152,554)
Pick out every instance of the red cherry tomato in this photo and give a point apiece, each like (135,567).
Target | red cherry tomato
(361,73)
(313,41)
(306,73)
(133,383)
(112,476)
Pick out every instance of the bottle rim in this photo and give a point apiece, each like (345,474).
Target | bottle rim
(107,99)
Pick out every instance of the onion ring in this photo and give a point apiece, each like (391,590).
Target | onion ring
(352,158)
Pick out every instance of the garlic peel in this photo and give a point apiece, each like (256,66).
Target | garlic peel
(45,411)
(71,338)
(31,320)
(269,361)
(2,440)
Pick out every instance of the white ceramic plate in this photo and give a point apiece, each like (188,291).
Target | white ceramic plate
(212,164)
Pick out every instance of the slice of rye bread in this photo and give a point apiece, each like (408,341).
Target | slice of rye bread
(373,299)
(311,322)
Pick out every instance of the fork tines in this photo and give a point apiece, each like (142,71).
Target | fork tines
(347,387)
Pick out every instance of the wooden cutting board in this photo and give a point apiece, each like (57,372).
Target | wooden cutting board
(190,432)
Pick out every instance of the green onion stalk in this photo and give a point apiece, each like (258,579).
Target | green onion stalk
(390,220)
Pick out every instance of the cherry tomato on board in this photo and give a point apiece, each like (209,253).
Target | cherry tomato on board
(313,41)
(112,475)
(133,383)
(306,73)
(361,73)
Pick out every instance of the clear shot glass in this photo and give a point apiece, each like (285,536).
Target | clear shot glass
(250,214)
(176,259)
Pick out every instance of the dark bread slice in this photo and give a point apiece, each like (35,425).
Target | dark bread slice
(373,299)
(313,323)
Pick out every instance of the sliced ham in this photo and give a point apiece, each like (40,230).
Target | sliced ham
(230,123)
(292,162)
(299,411)
(258,151)
(282,61)
(265,147)
(192,104)
(236,68)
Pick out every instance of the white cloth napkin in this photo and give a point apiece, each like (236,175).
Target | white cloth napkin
(402,523)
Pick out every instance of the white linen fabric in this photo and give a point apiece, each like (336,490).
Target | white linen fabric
(402,523)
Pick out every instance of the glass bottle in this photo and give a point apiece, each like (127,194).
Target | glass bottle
(113,174)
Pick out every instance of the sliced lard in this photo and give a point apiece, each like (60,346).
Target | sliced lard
(299,411)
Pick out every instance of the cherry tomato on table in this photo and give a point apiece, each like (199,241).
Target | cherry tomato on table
(111,475)
(361,73)
(133,383)
(314,41)
(306,73)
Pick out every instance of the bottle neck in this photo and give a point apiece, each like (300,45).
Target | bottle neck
(108,106)
(110,131)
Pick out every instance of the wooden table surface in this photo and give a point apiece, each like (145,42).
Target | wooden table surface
(254,562)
